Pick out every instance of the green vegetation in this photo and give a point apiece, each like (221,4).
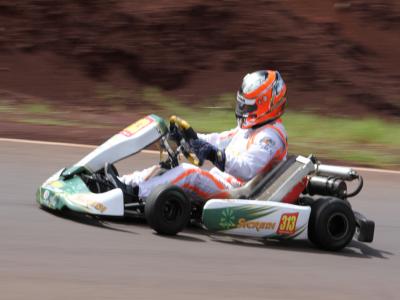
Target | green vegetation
(114,98)
(366,141)
(59,122)
(48,121)
(4,108)
(203,118)
(40,113)
(37,108)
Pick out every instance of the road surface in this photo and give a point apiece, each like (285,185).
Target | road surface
(44,256)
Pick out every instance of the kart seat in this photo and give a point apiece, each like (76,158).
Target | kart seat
(262,181)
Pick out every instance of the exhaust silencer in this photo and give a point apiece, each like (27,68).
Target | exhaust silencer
(327,186)
(341,172)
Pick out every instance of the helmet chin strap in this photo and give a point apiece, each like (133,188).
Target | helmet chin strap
(265,123)
(239,121)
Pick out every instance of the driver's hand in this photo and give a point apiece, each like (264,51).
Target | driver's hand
(174,133)
(201,148)
(183,127)
(205,150)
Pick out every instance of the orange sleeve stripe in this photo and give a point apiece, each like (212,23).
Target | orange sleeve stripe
(280,154)
(282,136)
(229,135)
(254,134)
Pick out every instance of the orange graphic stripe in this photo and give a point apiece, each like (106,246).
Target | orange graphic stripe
(233,180)
(257,131)
(229,135)
(203,173)
(253,136)
(220,195)
(280,133)
(196,190)
(269,81)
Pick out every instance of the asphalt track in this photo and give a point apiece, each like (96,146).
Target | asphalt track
(44,256)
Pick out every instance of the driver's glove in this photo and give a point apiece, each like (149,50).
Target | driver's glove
(205,150)
(174,134)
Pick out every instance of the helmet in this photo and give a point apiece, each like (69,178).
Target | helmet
(261,98)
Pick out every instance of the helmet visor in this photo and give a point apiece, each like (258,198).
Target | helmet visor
(243,109)
(244,106)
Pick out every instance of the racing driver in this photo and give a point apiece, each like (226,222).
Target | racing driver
(257,143)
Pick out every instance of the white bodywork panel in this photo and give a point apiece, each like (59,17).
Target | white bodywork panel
(257,219)
(125,143)
(110,203)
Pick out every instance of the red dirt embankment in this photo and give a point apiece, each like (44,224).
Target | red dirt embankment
(338,57)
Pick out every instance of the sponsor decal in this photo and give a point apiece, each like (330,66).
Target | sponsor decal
(228,221)
(287,224)
(267,144)
(57,184)
(98,206)
(136,127)
(49,199)
(243,223)
(82,199)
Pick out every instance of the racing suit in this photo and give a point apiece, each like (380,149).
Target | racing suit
(247,151)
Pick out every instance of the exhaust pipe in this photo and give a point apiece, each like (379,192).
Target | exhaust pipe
(341,172)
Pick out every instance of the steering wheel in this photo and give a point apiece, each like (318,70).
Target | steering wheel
(186,133)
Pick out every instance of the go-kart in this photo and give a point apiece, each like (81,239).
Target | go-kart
(300,198)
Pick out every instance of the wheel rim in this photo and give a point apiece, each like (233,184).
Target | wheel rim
(172,210)
(338,226)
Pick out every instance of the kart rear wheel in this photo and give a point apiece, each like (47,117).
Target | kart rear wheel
(167,210)
(332,224)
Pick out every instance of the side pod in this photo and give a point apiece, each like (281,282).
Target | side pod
(257,219)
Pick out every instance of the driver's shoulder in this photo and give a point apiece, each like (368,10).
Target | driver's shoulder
(270,131)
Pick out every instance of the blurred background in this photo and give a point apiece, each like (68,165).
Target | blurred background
(79,71)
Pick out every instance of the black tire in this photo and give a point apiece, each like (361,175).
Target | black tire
(167,210)
(332,224)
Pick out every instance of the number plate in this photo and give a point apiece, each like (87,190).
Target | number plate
(287,224)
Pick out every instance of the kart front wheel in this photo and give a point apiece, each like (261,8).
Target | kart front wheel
(332,224)
(167,210)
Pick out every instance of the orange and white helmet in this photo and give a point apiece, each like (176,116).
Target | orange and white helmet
(261,98)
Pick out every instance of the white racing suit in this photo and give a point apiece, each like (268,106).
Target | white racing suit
(248,152)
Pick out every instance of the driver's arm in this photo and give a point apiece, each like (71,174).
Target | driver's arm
(219,140)
(248,164)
